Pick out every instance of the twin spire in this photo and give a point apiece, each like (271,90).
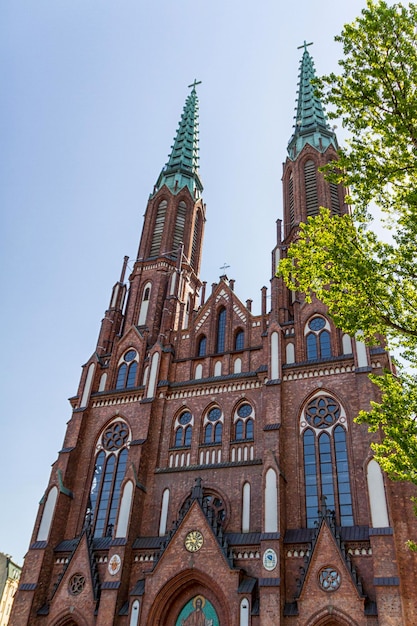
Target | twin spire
(311,126)
(181,170)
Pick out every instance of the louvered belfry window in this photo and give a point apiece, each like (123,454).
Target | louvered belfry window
(194,250)
(334,197)
(310,180)
(291,198)
(179,226)
(159,228)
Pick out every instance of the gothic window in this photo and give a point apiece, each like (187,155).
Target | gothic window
(47,515)
(213,426)
(310,181)
(244,422)
(291,198)
(126,374)
(159,228)
(326,465)
(183,430)
(239,340)
(109,472)
(202,346)
(144,305)
(196,236)
(179,226)
(221,330)
(334,198)
(318,339)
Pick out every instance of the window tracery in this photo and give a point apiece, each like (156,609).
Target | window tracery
(109,472)
(126,374)
(317,334)
(326,465)
(244,422)
(183,429)
(213,426)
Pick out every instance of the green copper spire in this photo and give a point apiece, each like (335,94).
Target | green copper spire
(182,167)
(310,122)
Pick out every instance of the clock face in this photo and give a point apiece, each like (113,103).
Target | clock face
(194,541)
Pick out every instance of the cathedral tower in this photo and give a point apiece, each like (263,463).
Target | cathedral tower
(212,472)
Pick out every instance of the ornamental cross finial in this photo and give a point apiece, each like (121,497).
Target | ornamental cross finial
(193,85)
(305,44)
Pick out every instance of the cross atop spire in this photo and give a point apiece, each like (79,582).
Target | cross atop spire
(305,44)
(311,124)
(194,84)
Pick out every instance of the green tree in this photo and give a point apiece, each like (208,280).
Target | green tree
(370,285)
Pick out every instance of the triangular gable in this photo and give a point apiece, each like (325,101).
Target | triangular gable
(209,552)
(77,585)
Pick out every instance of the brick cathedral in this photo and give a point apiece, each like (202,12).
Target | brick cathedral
(212,473)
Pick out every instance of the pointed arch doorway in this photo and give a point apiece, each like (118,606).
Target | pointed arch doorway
(190,599)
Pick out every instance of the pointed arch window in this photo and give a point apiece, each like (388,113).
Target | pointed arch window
(318,343)
(326,465)
(310,181)
(239,340)
(183,430)
(126,374)
(144,305)
(221,330)
(244,422)
(202,346)
(179,226)
(158,228)
(109,472)
(334,198)
(195,243)
(291,198)
(213,426)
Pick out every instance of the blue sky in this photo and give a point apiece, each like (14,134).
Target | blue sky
(91,95)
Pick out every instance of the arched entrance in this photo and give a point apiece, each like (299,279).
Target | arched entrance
(330,617)
(190,599)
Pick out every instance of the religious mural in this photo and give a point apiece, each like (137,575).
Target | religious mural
(198,612)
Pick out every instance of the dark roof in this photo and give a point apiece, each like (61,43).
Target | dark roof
(39,545)
(243,539)
(139,588)
(146,543)
(111,584)
(298,535)
(347,533)
(269,582)
(387,581)
(67,545)
(247,584)
(272,427)
(290,608)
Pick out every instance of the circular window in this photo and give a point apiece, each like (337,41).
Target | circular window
(116,436)
(322,412)
(214,414)
(76,584)
(244,410)
(317,323)
(130,355)
(329,579)
(185,418)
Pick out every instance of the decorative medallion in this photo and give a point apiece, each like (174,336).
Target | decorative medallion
(194,541)
(76,584)
(270,559)
(114,564)
(329,579)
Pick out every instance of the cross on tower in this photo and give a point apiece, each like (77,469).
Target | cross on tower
(305,44)
(193,85)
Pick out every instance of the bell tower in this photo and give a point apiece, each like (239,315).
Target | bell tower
(312,145)
(164,284)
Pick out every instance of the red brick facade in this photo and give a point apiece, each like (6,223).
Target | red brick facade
(238,476)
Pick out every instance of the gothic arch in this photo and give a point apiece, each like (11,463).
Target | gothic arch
(334,617)
(181,589)
(74,619)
